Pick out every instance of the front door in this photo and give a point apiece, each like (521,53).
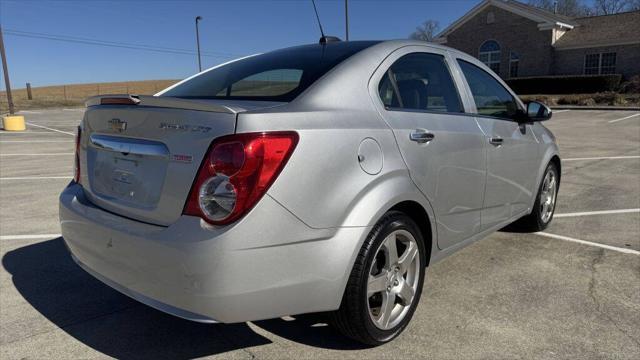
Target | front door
(442,147)
(512,148)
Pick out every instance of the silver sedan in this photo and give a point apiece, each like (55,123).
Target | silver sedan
(317,178)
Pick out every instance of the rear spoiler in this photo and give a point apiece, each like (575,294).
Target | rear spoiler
(158,101)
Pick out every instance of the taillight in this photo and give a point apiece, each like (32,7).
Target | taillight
(76,171)
(236,173)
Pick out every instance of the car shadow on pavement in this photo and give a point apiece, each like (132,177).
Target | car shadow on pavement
(107,321)
(113,324)
(311,330)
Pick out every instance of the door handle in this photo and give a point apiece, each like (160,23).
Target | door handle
(421,136)
(497,141)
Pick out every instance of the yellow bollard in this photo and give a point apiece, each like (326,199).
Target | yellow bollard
(13,123)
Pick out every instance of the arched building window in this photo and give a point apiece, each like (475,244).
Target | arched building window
(490,55)
(514,61)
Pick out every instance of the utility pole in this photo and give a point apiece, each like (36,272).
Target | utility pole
(198,18)
(346,18)
(7,83)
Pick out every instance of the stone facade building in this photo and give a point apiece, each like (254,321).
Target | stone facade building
(518,40)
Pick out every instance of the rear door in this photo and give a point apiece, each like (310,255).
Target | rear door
(442,146)
(512,148)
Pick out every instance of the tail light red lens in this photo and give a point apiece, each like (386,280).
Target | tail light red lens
(76,172)
(236,172)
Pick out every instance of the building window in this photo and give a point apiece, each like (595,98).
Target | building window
(608,63)
(490,55)
(514,61)
(592,64)
(600,64)
(491,18)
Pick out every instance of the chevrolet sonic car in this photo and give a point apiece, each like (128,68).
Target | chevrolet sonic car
(317,178)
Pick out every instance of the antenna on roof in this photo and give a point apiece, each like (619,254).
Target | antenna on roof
(317,17)
(323,39)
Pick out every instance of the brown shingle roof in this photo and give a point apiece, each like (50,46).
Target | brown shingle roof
(602,30)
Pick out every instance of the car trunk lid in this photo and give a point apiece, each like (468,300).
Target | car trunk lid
(140,154)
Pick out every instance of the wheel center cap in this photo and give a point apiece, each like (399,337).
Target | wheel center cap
(393,277)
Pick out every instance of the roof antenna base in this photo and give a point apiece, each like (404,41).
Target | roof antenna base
(325,39)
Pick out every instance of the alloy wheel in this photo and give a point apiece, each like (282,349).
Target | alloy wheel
(548,196)
(393,279)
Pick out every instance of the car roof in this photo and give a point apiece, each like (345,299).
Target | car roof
(384,45)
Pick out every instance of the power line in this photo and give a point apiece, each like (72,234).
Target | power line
(115,42)
(89,41)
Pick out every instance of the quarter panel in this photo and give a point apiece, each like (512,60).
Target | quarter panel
(323,179)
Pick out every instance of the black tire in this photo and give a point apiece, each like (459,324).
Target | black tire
(352,318)
(534,222)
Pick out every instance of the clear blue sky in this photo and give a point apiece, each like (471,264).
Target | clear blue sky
(229,29)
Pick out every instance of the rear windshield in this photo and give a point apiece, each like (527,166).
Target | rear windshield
(280,75)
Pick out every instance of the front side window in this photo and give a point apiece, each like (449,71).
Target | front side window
(490,97)
(279,75)
(420,81)
(490,55)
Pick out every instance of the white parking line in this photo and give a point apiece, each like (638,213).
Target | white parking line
(77,109)
(49,154)
(36,141)
(603,212)
(35,178)
(559,111)
(29,112)
(27,132)
(29,237)
(624,118)
(48,128)
(584,242)
(604,158)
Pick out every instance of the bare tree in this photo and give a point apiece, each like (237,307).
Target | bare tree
(607,7)
(572,8)
(427,31)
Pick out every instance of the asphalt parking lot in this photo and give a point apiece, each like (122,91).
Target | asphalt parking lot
(571,292)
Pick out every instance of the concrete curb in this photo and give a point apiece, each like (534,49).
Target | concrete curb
(576,107)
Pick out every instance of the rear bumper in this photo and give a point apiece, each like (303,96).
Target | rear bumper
(144,299)
(269,264)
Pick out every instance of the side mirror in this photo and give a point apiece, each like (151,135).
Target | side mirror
(537,111)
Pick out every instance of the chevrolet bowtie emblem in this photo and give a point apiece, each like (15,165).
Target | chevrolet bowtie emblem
(118,125)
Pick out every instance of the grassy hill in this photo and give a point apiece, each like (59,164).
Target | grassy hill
(75,94)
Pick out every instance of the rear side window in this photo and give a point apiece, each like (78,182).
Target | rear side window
(491,98)
(279,75)
(420,81)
